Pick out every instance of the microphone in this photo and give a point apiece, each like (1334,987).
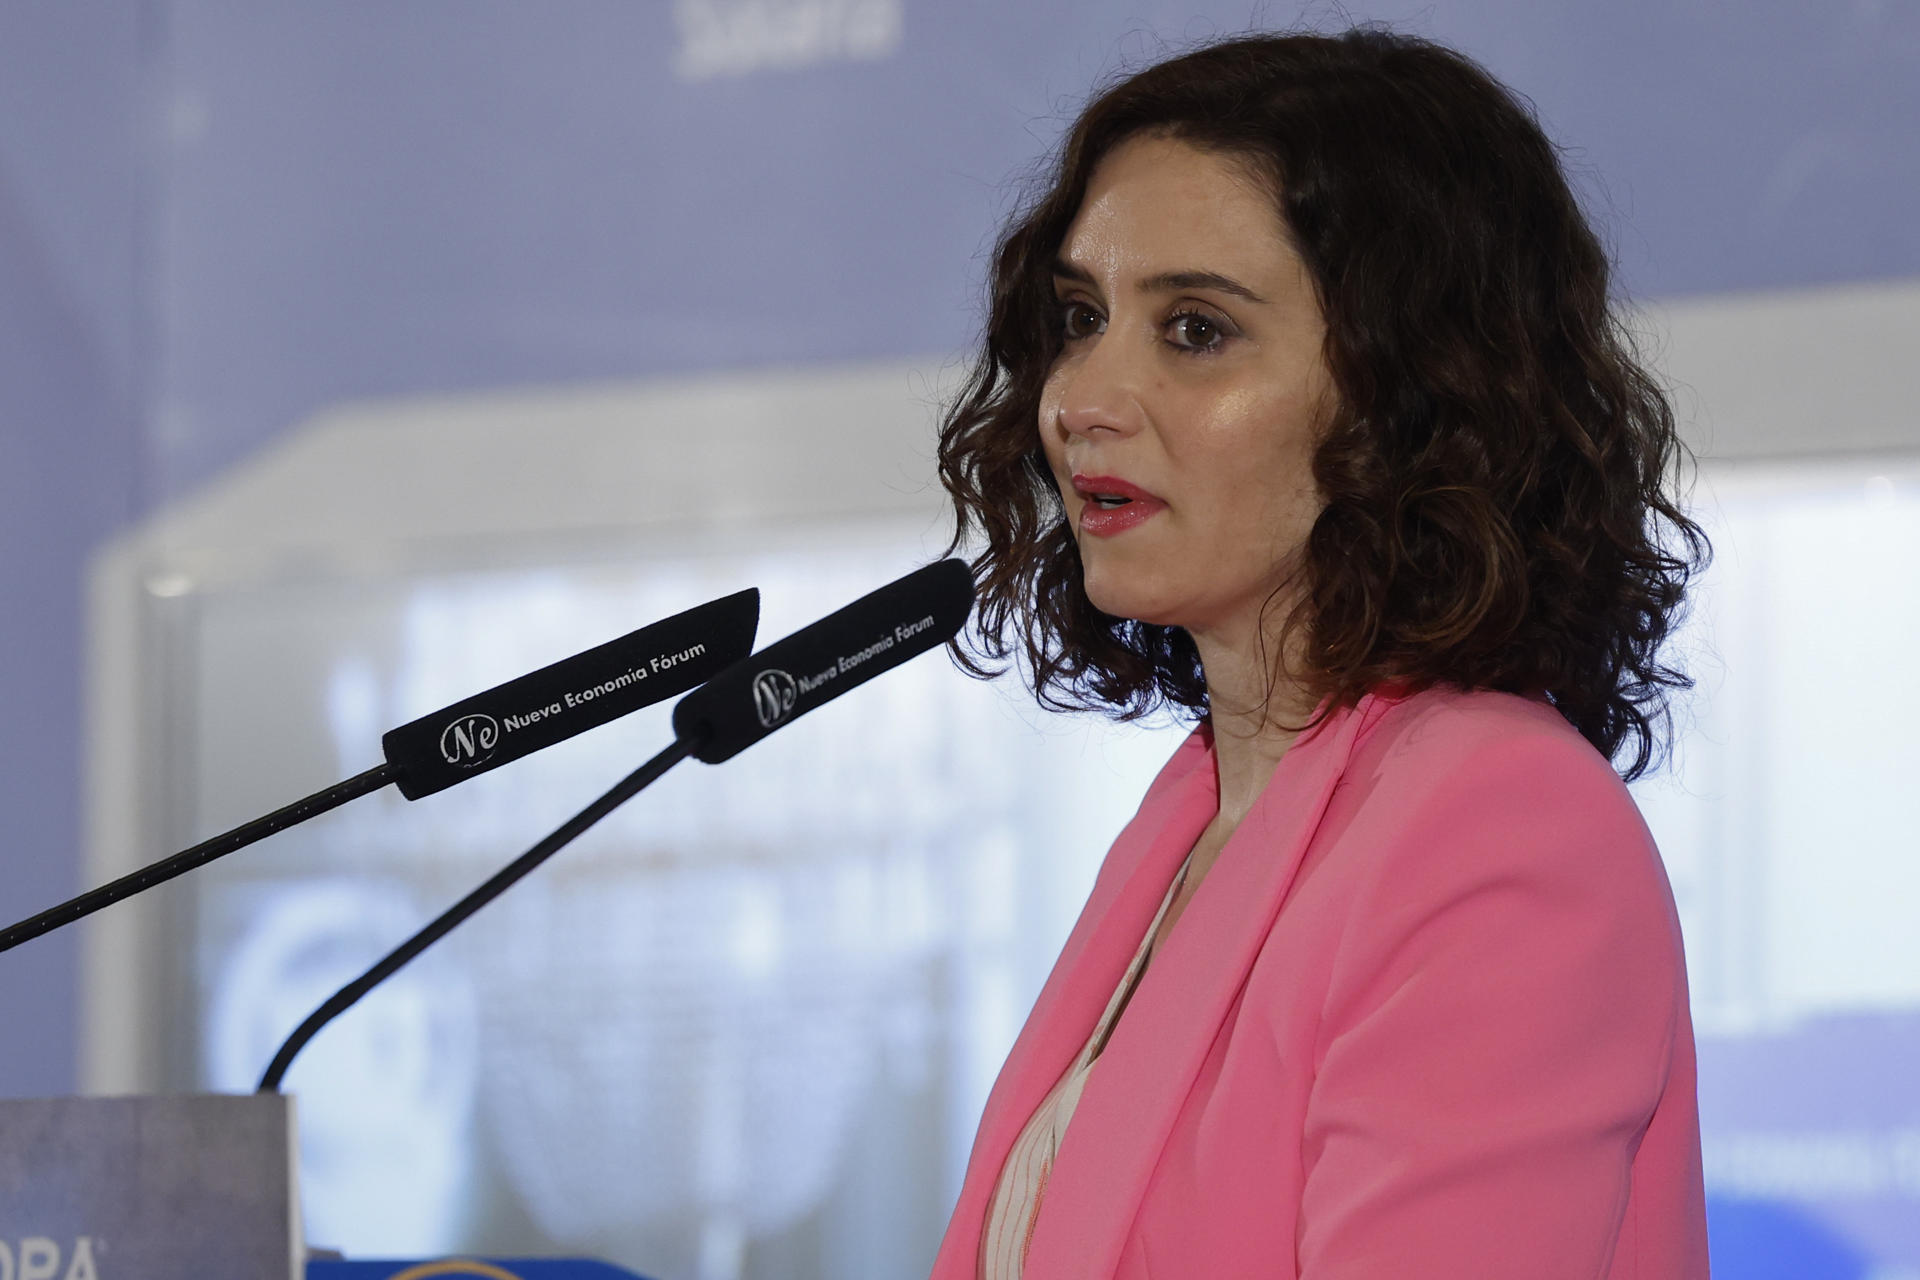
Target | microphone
(481,733)
(809,668)
(573,695)
(743,704)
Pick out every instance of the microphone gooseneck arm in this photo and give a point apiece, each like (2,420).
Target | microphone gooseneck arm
(199,855)
(471,737)
(448,920)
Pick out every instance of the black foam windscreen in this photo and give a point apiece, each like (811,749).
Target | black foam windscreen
(816,664)
(571,696)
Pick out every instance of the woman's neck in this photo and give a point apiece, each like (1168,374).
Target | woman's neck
(1252,702)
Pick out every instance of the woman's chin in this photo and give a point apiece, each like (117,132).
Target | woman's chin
(1132,600)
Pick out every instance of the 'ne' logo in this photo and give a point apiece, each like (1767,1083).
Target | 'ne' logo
(469,740)
(774,693)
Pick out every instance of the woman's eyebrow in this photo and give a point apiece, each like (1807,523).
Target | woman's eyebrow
(1167,281)
(1068,271)
(1174,281)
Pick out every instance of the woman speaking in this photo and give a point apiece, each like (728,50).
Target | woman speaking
(1302,410)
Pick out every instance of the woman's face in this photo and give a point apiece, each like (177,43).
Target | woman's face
(1179,420)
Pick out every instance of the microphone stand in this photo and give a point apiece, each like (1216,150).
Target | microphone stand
(199,855)
(448,920)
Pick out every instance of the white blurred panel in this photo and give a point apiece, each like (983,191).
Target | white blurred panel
(1788,820)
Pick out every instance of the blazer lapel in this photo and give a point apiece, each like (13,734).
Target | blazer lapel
(1148,1067)
(1132,880)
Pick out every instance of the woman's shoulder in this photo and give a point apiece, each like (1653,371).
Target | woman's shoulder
(1464,815)
(1446,732)
(1496,776)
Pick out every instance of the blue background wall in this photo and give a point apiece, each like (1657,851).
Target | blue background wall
(216,218)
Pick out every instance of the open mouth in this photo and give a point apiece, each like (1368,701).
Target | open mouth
(1113,505)
(1110,492)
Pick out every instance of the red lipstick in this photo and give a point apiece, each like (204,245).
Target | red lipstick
(1110,505)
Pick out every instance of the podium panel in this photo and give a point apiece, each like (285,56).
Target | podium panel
(197,1187)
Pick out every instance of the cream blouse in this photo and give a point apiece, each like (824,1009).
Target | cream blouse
(1023,1179)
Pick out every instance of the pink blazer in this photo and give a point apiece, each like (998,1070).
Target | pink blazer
(1425,1019)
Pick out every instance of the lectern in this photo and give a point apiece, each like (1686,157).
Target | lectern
(198,1187)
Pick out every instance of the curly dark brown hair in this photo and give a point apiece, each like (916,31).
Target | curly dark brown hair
(1499,471)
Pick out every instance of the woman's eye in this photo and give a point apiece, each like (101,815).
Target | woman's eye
(1078,320)
(1195,332)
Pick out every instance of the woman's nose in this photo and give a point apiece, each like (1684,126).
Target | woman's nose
(1099,391)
